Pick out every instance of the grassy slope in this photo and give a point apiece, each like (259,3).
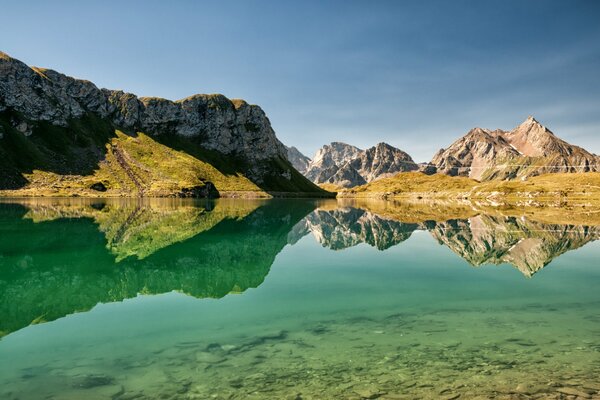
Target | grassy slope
(413,184)
(57,161)
(566,186)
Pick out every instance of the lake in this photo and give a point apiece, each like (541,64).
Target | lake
(294,299)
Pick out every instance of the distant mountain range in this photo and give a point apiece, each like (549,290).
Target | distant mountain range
(344,165)
(528,150)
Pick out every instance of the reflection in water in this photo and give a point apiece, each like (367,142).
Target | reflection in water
(360,323)
(210,249)
(480,239)
(57,262)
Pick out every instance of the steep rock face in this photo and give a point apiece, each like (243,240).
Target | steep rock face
(347,166)
(528,150)
(227,126)
(297,159)
(34,98)
(381,161)
(328,160)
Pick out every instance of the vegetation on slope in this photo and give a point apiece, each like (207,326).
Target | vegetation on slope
(90,158)
(574,186)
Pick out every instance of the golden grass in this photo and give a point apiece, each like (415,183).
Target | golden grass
(549,187)
(137,166)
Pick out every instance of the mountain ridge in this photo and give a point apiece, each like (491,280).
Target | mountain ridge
(347,166)
(529,149)
(55,123)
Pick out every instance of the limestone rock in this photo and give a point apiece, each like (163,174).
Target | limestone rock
(529,149)
(230,127)
(347,166)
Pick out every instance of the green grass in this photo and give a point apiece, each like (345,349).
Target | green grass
(65,161)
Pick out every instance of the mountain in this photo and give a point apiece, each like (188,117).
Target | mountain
(528,150)
(66,136)
(347,166)
(297,159)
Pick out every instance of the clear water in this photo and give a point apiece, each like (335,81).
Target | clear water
(234,299)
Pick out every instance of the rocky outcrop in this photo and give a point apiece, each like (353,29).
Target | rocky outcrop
(33,100)
(528,150)
(227,126)
(347,166)
(381,161)
(297,159)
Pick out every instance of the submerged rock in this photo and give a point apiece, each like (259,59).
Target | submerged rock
(92,381)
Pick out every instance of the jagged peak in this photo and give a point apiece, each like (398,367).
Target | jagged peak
(342,144)
(479,130)
(531,124)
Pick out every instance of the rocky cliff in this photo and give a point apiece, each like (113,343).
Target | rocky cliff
(53,122)
(528,150)
(348,166)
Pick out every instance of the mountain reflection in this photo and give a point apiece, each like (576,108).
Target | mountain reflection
(58,257)
(68,256)
(478,238)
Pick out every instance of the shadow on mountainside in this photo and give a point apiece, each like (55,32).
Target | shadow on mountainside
(26,146)
(91,155)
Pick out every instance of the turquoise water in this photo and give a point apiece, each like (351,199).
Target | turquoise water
(167,299)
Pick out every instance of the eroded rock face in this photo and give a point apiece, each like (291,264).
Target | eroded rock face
(231,127)
(347,166)
(529,149)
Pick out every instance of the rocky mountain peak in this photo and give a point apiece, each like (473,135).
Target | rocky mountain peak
(347,166)
(529,149)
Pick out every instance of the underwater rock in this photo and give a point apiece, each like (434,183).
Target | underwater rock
(209,357)
(573,392)
(92,381)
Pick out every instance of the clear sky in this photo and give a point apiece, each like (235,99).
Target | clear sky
(415,74)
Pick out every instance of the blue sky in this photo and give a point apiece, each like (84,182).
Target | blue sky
(416,74)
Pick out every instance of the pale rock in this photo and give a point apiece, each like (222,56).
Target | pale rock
(348,166)
(297,159)
(527,150)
